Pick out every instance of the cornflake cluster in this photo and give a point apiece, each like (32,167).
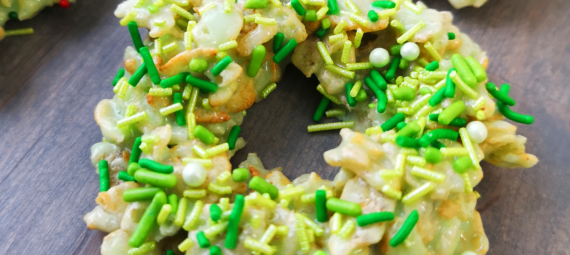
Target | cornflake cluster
(412,87)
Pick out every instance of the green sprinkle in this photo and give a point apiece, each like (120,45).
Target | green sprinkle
(180,120)
(215,250)
(330,126)
(135,35)
(405,229)
(395,49)
(404,64)
(428,138)
(373,16)
(240,175)
(516,117)
(181,212)
(311,15)
(434,65)
(378,79)
(325,23)
(449,85)
(349,99)
(13,15)
(503,97)
(424,90)
(451,112)
(145,248)
(133,167)
(344,207)
(409,130)
(375,217)
(155,166)
(103,176)
(118,76)
(401,125)
(321,32)
(392,122)
(204,135)
(136,151)
(340,71)
(468,91)
(407,142)
(215,212)
(324,53)
(268,89)
(335,113)
(433,155)
(201,84)
(256,60)
(437,144)
(457,122)
(170,252)
(202,240)
(137,76)
(462,165)
(138,117)
(437,97)
(150,67)
(321,205)
(173,202)
(198,65)
(233,225)
(298,7)
(163,214)
(451,36)
(23,31)
(321,109)
(278,41)
(393,67)
(258,247)
(463,70)
(427,174)
(263,187)
(384,4)
(380,95)
(232,138)
(123,175)
(411,32)
(476,68)
(155,179)
(361,96)
(146,223)
(221,65)
(404,93)
(256,4)
(333,7)
(333,99)
(284,52)
(347,229)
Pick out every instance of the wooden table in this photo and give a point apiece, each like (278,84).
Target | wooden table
(50,83)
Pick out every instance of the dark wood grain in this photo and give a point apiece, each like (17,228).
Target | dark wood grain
(50,83)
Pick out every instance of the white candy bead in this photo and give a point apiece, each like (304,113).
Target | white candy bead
(410,51)
(194,174)
(379,57)
(477,131)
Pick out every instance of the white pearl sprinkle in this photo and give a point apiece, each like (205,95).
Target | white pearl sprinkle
(410,51)
(379,57)
(194,174)
(477,131)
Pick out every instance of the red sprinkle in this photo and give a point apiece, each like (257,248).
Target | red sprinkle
(64,4)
